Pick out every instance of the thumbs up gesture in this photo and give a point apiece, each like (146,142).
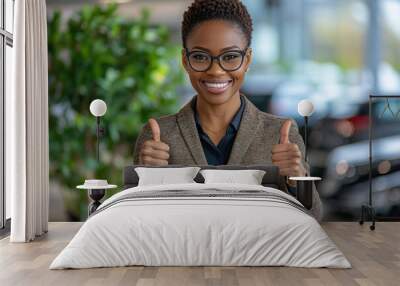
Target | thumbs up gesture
(154,152)
(286,155)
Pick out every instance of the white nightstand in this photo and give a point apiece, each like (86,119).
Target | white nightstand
(96,190)
(304,190)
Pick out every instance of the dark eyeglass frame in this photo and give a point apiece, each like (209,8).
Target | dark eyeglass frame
(218,58)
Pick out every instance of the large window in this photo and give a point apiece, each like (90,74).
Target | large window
(6,44)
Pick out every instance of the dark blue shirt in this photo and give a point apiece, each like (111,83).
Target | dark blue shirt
(219,155)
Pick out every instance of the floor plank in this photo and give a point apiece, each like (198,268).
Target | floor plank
(374,255)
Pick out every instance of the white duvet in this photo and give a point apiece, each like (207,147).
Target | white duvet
(183,231)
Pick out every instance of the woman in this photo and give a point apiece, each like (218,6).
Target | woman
(219,125)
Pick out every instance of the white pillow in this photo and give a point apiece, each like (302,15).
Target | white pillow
(163,176)
(248,177)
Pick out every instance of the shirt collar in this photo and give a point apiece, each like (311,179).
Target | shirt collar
(235,122)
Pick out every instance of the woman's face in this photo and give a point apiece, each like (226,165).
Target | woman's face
(215,85)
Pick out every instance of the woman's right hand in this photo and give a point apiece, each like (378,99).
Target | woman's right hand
(154,152)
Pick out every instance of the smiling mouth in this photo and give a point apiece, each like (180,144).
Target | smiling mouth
(217,87)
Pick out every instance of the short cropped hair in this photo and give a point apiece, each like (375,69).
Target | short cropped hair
(229,10)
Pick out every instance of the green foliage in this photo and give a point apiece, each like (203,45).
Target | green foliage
(129,64)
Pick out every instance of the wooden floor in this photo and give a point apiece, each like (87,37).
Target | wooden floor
(374,255)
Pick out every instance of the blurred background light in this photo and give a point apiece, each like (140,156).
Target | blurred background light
(342,167)
(384,167)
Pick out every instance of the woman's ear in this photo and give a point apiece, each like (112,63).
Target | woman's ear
(184,61)
(248,59)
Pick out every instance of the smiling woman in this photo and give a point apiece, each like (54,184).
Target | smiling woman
(220,125)
(216,31)
(211,42)
(222,42)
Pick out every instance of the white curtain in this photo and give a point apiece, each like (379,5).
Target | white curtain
(27,148)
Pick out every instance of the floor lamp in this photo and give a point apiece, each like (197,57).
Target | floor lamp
(305,184)
(97,188)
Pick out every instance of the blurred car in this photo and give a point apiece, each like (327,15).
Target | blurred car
(331,132)
(345,184)
(385,198)
(355,126)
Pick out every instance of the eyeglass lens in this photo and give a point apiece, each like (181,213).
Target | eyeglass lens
(229,61)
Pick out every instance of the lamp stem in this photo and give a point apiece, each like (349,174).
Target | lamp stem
(305,138)
(98,139)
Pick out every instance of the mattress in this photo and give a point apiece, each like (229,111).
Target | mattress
(201,225)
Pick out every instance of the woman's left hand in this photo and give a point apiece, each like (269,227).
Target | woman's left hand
(287,156)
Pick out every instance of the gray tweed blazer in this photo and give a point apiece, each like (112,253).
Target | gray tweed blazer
(258,132)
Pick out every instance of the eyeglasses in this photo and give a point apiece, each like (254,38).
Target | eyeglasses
(202,61)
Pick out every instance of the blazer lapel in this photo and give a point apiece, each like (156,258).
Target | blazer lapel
(187,126)
(249,126)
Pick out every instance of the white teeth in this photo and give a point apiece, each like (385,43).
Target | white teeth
(216,85)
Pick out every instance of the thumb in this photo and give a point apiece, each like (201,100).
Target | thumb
(155,129)
(285,132)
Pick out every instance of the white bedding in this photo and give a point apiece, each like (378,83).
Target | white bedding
(183,231)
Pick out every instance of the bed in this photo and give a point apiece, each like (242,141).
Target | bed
(201,224)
